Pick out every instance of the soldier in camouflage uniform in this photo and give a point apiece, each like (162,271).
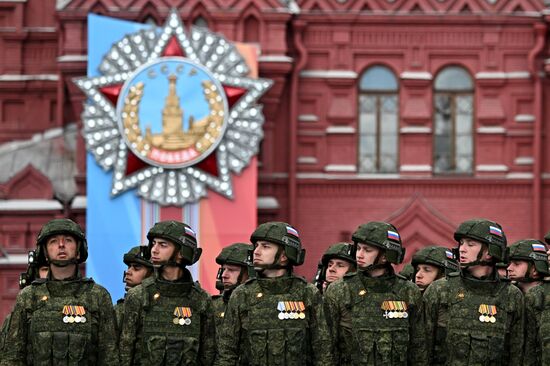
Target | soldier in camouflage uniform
(334,264)
(64,319)
(528,263)
(376,314)
(472,316)
(275,318)
(139,268)
(537,306)
(235,269)
(432,263)
(36,268)
(168,319)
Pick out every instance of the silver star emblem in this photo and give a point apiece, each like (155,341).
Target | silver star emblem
(105,137)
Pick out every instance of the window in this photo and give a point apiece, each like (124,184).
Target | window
(378,121)
(453,121)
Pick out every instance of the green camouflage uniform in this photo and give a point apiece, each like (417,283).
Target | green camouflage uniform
(254,334)
(136,255)
(537,326)
(67,322)
(275,321)
(537,301)
(377,320)
(471,321)
(149,335)
(235,254)
(169,323)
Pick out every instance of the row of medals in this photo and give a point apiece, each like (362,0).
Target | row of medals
(488,313)
(394,309)
(74,319)
(291,310)
(74,314)
(182,315)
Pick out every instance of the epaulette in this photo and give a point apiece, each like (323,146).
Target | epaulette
(299,278)
(350,275)
(148,281)
(400,276)
(39,281)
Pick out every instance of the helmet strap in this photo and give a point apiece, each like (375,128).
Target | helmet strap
(478,261)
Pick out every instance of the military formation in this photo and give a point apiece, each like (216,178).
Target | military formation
(483,302)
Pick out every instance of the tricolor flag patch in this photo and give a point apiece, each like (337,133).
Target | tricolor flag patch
(293,231)
(449,254)
(393,235)
(539,248)
(190,232)
(495,230)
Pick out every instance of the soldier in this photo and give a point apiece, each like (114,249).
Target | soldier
(64,319)
(334,264)
(234,270)
(139,268)
(376,313)
(168,319)
(432,263)
(528,263)
(537,301)
(276,318)
(472,316)
(36,268)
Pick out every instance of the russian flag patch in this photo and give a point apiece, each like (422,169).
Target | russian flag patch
(539,248)
(293,231)
(495,230)
(449,254)
(393,235)
(190,232)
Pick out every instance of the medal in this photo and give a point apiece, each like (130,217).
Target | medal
(182,315)
(394,309)
(73,314)
(488,313)
(281,309)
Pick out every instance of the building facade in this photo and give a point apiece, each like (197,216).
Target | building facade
(423,113)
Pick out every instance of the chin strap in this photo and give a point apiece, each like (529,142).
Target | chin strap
(528,278)
(275,265)
(478,261)
(376,265)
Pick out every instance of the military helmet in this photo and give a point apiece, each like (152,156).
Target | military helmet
(382,235)
(58,227)
(338,251)
(408,272)
(182,235)
(236,254)
(139,254)
(486,232)
(283,234)
(533,251)
(440,257)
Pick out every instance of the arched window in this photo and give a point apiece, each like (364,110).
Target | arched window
(378,121)
(453,148)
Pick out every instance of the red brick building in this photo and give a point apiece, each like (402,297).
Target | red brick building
(419,112)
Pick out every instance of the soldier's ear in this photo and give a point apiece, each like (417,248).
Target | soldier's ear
(283,259)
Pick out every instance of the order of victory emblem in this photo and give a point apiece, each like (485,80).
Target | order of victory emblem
(173,113)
